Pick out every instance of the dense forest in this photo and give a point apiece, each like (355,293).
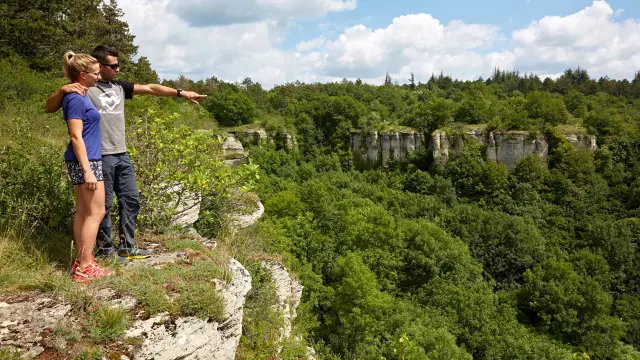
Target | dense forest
(416,260)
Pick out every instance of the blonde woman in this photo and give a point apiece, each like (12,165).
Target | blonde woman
(84,163)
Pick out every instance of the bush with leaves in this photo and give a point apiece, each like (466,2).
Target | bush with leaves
(177,166)
(570,306)
(231,108)
(34,188)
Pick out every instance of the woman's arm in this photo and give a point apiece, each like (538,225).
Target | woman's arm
(75,132)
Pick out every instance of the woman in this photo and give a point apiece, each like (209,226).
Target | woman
(84,164)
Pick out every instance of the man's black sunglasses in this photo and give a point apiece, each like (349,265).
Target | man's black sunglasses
(112,66)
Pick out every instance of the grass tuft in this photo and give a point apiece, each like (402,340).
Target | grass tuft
(107,323)
(182,244)
(179,289)
(10,354)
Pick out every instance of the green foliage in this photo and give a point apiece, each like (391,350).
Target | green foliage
(10,354)
(505,245)
(61,25)
(570,306)
(176,165)
(231,108)
(19,83)
(559,147)
(91,354)
(179,289)
(548,109)
(182,244)
(576,103)
(430,115)
(261,321)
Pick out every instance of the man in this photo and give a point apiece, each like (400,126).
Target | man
(119,177)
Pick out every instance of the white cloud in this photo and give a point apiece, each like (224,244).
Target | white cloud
(417,43)
(414,43)
(223,12)
(590,38)
(311,44)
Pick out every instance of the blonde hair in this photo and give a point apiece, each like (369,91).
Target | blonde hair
(74,64)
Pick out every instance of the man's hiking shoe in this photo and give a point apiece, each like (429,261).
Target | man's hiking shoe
(134,253)
(113,257)
(91,271)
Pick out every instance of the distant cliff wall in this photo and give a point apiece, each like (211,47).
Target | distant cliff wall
(375,148)
(503,147)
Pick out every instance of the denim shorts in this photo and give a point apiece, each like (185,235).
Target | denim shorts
(75,171)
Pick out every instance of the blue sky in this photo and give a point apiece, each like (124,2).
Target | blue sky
(326,40)
(509,15)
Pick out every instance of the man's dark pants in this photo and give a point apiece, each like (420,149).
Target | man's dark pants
(119,178)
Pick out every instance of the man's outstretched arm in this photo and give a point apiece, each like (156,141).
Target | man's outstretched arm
(161,90)
(54,102)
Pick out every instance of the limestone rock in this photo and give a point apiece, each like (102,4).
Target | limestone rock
(240,221)
(24,321)
(232,163)
(289,292)
(191,338)
(159,260)
(503,147)
(231,145)
(375,148)
(233,151)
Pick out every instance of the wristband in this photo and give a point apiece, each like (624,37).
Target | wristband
(179,90)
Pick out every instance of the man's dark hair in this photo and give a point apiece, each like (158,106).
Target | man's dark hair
(101,52)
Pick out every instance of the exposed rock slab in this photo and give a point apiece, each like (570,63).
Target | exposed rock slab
(231,145)
(240,221)
(191,338)
(159,260)
(289,292)
(377,148)
(22,323)
(503,147)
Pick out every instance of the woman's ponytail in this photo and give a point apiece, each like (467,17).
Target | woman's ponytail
(74,64)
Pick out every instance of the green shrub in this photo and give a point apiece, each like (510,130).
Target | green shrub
(231,108)
(35,192)
(176,166)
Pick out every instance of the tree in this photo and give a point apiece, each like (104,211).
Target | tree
(576,103)
(570,306)
(387,79)
(547,108)
(142,73)
(231,108)
(61,25)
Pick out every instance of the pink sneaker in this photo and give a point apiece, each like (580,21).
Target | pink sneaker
(92,271)
(74,267)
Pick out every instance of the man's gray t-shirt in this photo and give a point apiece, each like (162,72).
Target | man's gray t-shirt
(108,98)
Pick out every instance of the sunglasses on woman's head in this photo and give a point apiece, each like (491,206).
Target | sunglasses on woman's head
(113,66)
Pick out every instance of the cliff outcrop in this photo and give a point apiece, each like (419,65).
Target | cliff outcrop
(503,147)
(375,148)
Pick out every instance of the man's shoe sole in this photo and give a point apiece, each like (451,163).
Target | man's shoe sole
(133,257)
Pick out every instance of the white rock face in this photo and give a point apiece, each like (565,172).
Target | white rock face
(289,292)
(241,221)
(191,338)
(21,323)
(231,145)
(186,204)
(503,147)
(377,148)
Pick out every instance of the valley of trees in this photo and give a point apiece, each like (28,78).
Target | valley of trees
(416,260)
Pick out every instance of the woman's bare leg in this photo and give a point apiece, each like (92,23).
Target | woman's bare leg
(94,210)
